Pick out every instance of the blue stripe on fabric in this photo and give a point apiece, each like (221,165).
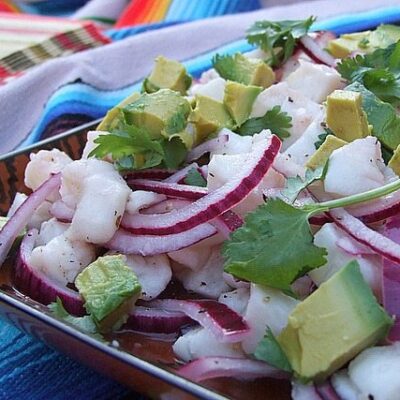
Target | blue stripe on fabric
(176,10)
(360,21)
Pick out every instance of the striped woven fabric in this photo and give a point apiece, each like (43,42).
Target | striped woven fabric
(27,40)
(80,102)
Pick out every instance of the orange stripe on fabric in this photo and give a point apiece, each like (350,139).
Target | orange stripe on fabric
(161,10)
(8,6)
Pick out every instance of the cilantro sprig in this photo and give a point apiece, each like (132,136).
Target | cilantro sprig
(278,38)
(278,121)
(275,245)
(131,147)
(379,72)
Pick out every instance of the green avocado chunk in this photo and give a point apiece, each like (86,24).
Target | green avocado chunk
(345,116)
(394,162)
(321,156)
(110,289)
(167,74)
(239,99)
(366,41)
(249,71)
(208,117)
(163,113)
(111,119)
(331,326)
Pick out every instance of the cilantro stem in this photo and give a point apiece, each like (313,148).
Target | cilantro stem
(355,198)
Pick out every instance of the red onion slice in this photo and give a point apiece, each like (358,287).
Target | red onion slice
(24,212)
(228,367)
(227,223)
(316,52)
(153,173)
(169,189)
(326,391)
(353,248)
(391,281)
(213,204)
(370,238)
(206,147)
(180,175)
(165,206)
(150,245)
(153,320)
(304,392)
(227,325)
(37,285)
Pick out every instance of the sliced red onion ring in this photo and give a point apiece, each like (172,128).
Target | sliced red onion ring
(37,285)
(213,204)
(227,223)
(166,206)
(227,325)
(154,320)
(324,37)
(169,189)
(150,245)
(61,211)
(206,147)
(304,392)
(326,391)
(353,248)
(228,367)
(316,52)
(180,175)
(391,281)
(154,173)
(370,238)
(24,212)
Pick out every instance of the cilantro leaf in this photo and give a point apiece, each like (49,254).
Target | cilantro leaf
(278,38)
(274,247)
(85,324)
(132,147)
(194,178)
(322,137)
(270,351)
(382,116)
(276,120)
(379,72)
(295,185)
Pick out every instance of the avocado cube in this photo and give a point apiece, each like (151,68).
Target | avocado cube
(331,326)
(242,69)
(347,44)
(394,162)
(110,289)
(208,117)
(167,74)
(239,99)
(321,156)
(111,119)
(163,113)
(345,116)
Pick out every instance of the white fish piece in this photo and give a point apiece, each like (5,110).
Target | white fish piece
(42,165)
(153,273)
(215,89)
(199,342)
(140,199)
(90,144)
(208,279)
(208,76)
(49,230)
(315,81)
(62,259)
(236,299)
(355,168)
(375,372)
(301,109)
(267,307)
(236,144)
(101,196)
(370,265)
(303,148)
(344,386)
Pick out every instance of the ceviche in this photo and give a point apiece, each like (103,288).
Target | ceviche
(268,188)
